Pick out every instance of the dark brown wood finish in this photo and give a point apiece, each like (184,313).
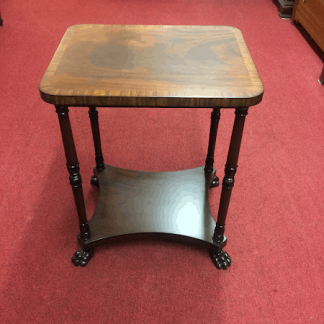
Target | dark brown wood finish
(166,205)
(152,66)
(230,170)
(73,169)
(209,163)
(94,119)
(159,66)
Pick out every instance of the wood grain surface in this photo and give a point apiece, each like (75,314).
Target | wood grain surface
(152,66)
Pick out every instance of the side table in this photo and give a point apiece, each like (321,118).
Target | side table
(152,66)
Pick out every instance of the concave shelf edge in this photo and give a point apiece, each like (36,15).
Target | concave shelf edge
(170,206)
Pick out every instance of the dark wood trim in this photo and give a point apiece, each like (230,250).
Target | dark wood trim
(73,169)
(209,163)
(164,205)
(230,170)
(93,114)
(214,121)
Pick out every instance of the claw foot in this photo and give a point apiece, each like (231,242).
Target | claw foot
(221,259)
(82,257)
(94,181)
(214,183)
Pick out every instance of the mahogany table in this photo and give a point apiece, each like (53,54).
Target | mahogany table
(152,66)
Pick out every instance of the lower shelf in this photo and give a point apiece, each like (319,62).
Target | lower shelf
(165,205)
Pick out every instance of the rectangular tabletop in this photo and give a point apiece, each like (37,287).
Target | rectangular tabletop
(152,66)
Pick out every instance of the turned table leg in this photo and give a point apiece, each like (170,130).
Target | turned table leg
(221,258)
(214,120)
(93,114)
(81,257)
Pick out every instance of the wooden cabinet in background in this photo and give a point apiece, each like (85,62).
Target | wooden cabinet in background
(310,14)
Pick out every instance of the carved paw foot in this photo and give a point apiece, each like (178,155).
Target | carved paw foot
(81,257)
(214,183)
(221,259)
(94,181)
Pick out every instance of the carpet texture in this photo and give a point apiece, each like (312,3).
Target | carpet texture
(275,221)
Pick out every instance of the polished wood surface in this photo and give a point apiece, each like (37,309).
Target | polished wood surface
(167,205)
(152,66)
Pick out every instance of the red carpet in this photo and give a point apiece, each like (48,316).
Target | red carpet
(275,223)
